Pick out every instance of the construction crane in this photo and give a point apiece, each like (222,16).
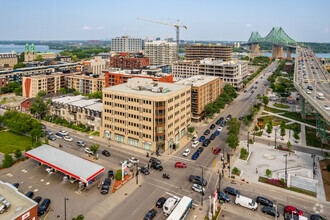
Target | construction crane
(177,26)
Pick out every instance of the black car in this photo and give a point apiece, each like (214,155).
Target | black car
(43,126)
(43,207)
(160,202)
(16,185)
(207,132)
(200,149)
(151,214)
(156,166)
(212,126)
(224,197)
(222,118)
(105,186)
(197,180)
(231,191)
(106,153)
(37,199)
(111,174)
(51,137)
(316,217)
(264,201)
(229,116)
(30,194)
(240,118)
(206,143)
(154,160)
(270,211)
(218,122)
(212,136)
(145,171)
(223,124)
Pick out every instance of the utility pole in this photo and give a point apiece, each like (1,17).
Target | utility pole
(286,168)
(65,199)
(248,140)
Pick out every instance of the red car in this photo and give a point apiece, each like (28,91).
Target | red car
(217,150)
(180,165)
(294,210)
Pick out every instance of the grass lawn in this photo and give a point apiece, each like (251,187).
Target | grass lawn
(275,120)
(96,133)
(273,110)
(312,140)
(296,116)
(281,105)
(10,141)
(291,126)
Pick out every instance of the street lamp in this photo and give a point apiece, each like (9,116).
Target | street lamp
(313,156)
(65,199)
(202,184)
(286,168)
(248,140)
(275,136)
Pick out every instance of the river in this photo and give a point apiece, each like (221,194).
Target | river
(7,48)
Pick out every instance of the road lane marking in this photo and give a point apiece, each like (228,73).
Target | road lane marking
(181,158)
(48,212)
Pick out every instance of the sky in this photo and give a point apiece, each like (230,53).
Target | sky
(217,20)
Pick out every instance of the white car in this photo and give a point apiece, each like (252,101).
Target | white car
(326,107)
(195,144)
(133,160)
(198,188)
(219,129)
(88,151)
(194,138)
(186,152)
(308,91)
(129,164)
(68,138)
(63,132)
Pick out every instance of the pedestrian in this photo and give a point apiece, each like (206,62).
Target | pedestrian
(256,170)
(99,185)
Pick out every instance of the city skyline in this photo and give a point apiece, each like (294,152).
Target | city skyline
(214,20)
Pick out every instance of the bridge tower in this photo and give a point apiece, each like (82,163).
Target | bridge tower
(277,51)
(255,48)
(289,52)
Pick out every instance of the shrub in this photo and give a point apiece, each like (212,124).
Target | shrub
(280,147)
(282,182)
(7,161)
(326,155)
(18,154)
(236,171)
(268,173)
(118,175)
(275,182)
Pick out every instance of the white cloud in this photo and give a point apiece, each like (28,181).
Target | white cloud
(326,30)
(248,25)
(100,28)
(86,28)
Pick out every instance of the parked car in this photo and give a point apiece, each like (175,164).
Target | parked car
(160,202)
(16,185)
(43,126)
(129,164)
(105,186)
(212,136)
(88,151)
(316,217)
(59,135)
(154,160)
(240,118)
(156,166)
(194,138)
(231,191)
(37,199)
(198,188)
(133,160)
(270,211)
(195,156)
(207,132)
(217,151)
(43,207)
(180,165)
(145,171)
(223,124)
(224,197)
(218,122)
(293,210)
(264,201)
(151,214)
(111,174)
(186,152)
(68,138)
(222,118)
(219,129)
(198,180)
(216,133)
(202,138)
(51,137)
(106,153)
(81,143)
(195,144)
(212,126)
(246,202)
(206,143)
(30,194)
(48,132)
(200,150)
(63,132)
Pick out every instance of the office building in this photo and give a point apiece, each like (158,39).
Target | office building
(185,68)
(85,84)
(201,51)
(8,59)
(204,90)
(78,109)
(94,66)
(145,114)
(161,52)
(126,44)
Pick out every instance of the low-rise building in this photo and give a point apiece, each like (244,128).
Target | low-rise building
(64,58)
(8,59)
(150,115)
(17,206)
(185,68)
(86,84)
(78,109)
(204,90)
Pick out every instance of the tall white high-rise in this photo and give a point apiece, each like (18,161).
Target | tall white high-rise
(126,44)
(160,52)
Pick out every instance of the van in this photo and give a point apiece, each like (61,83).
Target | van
(246,202)
(170,204)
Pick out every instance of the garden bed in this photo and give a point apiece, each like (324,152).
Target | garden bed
(118,184)
(281,105)
(312,140)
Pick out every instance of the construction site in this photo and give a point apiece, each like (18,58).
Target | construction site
(201,51)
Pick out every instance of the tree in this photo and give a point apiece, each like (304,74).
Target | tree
(289,145)
(21,58)
(7,161)
(11,86)
(296,135)
(41,93)
(79,217)
(118,175)
(269,127)
(191,130)
(229,89)
(18,154)
(265,100)
(225,97)
(94,148)
(210,109)
(233,126)
(40,107)
(282,132)
(232,141)
(268,173)
(18,91)
(19,65)
(39,58)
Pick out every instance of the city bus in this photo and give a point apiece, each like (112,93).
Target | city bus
(182,209)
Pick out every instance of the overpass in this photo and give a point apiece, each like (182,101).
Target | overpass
(311,79)
(277,38)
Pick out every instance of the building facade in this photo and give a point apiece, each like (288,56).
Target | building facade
(4,80)
(201,51)
(161,52)
(204,90)
(150,115)
(78,109)
(126,44)
(8,59)
(185,68)
(86,84)
(129,62)
(95,66)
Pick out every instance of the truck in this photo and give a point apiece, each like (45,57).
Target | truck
(170,205)
(320,95)
(246,202)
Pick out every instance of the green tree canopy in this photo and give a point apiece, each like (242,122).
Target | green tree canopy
(269,127)
(94,148)
(19,65)
(11,86)
(232,141)
(7,161)
(40,107)
(265,100)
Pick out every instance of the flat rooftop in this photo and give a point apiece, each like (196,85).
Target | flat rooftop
(197,81)
(19,203)
(132,87)
(67,163)
(68,99)
(80,101)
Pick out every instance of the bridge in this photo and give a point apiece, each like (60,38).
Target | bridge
(278,38)
(312,81)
